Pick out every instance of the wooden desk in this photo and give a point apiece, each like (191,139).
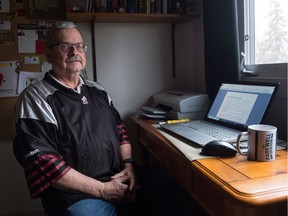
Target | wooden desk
(222,186)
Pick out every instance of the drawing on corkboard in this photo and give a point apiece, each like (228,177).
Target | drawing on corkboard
(9,78)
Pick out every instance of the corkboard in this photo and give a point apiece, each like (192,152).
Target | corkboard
(9,52)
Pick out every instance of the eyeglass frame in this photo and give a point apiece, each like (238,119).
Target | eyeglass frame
(83,46)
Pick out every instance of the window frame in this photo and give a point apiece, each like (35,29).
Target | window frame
(255,70)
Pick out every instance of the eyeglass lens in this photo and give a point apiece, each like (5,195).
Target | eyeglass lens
(66,47)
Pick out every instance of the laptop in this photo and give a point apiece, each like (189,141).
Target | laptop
(235,107)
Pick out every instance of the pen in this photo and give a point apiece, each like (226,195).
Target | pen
(175,121)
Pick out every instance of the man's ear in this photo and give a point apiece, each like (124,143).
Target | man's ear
(48,54)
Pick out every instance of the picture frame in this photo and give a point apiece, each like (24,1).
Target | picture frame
(46,9)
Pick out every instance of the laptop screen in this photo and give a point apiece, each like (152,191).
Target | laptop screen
(241,104)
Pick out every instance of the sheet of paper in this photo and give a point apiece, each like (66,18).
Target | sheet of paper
(27,37)
(8,78)
(27,78)
(191,152)
(5,25)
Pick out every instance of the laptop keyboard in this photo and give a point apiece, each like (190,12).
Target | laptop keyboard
(216,131)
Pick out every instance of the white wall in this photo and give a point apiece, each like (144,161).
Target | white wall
(133,62)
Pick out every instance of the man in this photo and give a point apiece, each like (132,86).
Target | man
(70,139)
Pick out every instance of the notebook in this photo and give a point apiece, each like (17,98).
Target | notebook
(235,107)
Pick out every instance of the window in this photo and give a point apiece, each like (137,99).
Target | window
(263,37)
(265,31)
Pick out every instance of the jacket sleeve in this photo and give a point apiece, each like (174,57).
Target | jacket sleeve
(123,134)
(35,143)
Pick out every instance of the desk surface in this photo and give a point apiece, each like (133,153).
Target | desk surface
(244,187)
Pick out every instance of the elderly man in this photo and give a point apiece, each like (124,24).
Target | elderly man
(70,139)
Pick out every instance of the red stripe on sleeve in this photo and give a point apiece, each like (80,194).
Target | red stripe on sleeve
(43,172)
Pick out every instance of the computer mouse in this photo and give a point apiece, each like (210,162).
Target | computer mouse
(219,148)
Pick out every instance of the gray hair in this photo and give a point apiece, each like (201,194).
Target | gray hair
(56,27)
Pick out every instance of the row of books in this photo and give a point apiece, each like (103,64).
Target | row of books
(142,6)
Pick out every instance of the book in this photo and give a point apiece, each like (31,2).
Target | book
(152,6)
(132,6)
(109,6)
(159,6)
(115,6)
(170,6)
(165,6)
(148,6)
(97,5)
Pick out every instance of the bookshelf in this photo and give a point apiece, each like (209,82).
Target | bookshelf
(129,17)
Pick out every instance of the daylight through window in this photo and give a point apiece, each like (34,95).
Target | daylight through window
(266,31)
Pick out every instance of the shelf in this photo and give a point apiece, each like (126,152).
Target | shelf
(129,17)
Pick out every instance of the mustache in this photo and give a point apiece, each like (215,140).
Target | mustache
(74,58)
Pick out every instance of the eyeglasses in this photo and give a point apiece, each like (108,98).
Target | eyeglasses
(66,47)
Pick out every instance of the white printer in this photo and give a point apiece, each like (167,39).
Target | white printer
(177,104)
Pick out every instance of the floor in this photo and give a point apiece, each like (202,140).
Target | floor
(161,195)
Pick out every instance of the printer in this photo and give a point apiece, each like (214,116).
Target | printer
(177,104)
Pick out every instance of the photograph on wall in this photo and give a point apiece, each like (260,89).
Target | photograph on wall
(28,78)
(9,78)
